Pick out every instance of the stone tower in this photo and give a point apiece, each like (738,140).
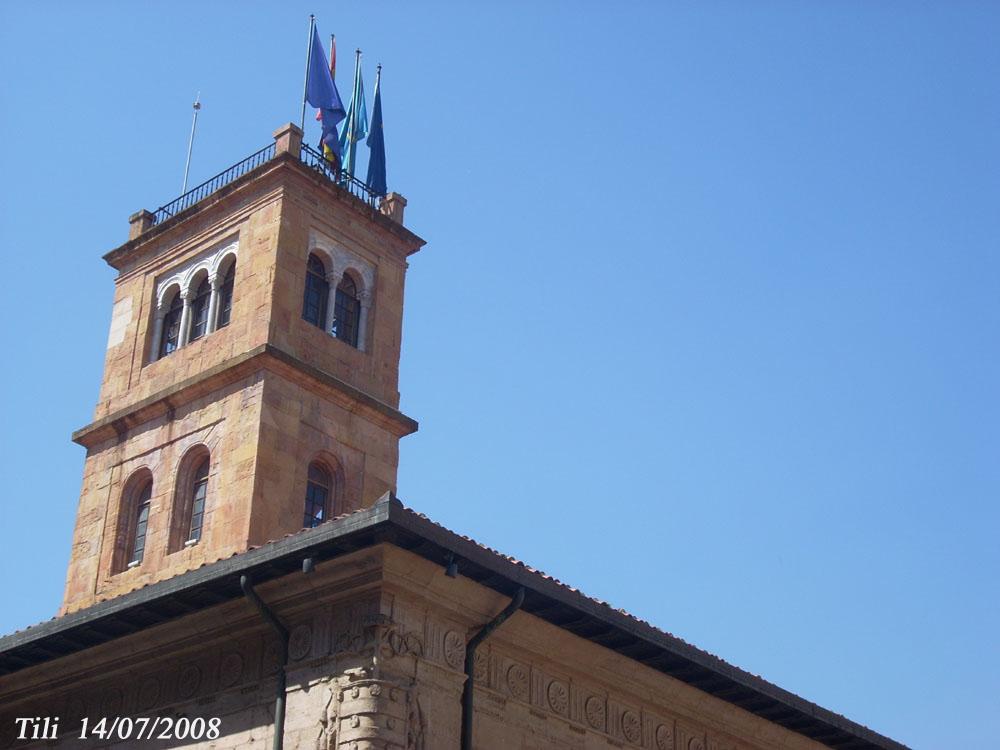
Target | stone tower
(251,378)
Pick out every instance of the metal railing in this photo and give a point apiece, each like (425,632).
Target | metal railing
(210,186)
(312,158)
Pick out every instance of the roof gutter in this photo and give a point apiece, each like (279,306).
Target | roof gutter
(470,662)
(281,688)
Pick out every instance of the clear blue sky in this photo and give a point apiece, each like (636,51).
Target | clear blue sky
(707,323)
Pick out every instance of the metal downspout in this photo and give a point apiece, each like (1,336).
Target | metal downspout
(470,655)
(279,693)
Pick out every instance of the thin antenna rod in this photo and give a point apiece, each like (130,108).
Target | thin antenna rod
(194,125)
(305,83)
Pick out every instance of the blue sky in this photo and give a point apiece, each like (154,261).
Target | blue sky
(706,326)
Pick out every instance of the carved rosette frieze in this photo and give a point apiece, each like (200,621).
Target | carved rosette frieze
(664,737)
(517,681)
(230,669)
(557,695)
(454,649)
(631,726)
(189,681)
(149,692)
(300,642)
(596,711)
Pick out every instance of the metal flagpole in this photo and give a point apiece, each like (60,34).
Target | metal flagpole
(305,83)
(194,124)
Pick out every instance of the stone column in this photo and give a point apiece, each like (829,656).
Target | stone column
(161,312)
(182,337)
(215,281)
(365,297)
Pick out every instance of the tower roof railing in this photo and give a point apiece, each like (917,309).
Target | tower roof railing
(309,156)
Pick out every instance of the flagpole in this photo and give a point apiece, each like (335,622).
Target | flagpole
(305,83)
(194,124)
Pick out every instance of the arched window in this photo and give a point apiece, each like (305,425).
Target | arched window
(199,489)
(319,495)
(226,297)
(140,514)
(347,311)
(171,335)
(199,310)
(316,294)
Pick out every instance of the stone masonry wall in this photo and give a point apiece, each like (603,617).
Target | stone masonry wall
(376,651)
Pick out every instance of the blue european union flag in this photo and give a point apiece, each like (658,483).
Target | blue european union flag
(321,92)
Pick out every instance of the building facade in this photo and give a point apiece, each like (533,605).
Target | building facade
(242,574)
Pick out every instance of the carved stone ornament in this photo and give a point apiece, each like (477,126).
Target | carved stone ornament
(328,722)
(480,667)
(517,681)
(189,681)
(149,692)
(454,650)
(111,703)
(231,669)
(631,726)
(595,711)
(558,695)
(695,743)
(300,642)
(664,738)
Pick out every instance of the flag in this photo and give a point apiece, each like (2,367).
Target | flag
(321,92)
(328,153)
(376,142)
(356,126)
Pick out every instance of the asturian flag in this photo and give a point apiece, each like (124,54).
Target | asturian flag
(356,126)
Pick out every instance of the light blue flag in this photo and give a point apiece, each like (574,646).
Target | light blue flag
(356,125)
(376,142)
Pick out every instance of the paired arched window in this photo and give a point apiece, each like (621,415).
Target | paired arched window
(225,308)
(170,337)
(317,292)
(319,495)
(199,310)
(347,311)
(346,321)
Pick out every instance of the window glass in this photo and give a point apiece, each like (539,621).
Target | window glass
(316,293)
(226,297)
(347,311)
(141,521)
(171,326)
(198,491)
(318,491)
(199,310)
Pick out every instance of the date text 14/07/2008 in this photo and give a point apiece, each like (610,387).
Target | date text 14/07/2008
(123,728)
